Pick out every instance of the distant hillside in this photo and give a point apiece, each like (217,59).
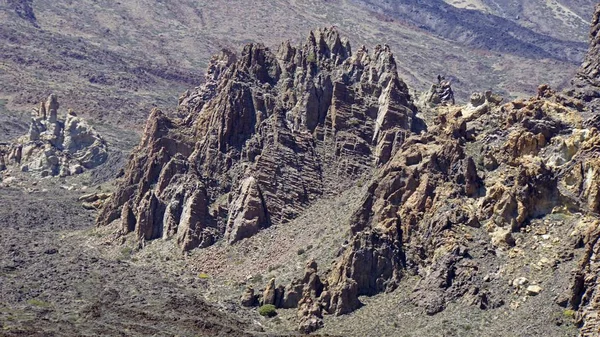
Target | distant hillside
(562,19)
(482,29)
(116,60)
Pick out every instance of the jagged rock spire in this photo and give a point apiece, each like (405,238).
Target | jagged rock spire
(258,113)
(52,108)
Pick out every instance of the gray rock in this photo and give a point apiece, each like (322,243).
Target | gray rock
(534,290)
(52,108)
(58,147)
(247,212)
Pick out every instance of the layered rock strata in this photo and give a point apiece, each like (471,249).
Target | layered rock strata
(580,180)
(268,134)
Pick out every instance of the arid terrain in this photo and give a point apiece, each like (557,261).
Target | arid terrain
(285,168)
(116,60)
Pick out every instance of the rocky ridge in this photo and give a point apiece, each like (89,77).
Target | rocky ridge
(271,133)
(252,149)
(53,146)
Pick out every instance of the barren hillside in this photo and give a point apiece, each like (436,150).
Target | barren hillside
(115,60)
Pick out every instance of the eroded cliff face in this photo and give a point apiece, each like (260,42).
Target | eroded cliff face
(266,136)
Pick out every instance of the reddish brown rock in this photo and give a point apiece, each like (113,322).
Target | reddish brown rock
(257,135)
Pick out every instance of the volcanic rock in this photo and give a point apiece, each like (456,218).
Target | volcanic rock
(255,139)
(247,213)
(440,93)
(587,79)
(57,147)
(534,290)
(249,299)
(271,133)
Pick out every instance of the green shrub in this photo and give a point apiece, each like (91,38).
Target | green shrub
(267,310)
(569,313)
(301,251)
(126,252)
(38,303)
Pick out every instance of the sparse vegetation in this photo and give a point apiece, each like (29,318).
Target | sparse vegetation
(90,293)
(569,313)
(256,278)
(38,303)
(267,310)
(125,253)
(273,267)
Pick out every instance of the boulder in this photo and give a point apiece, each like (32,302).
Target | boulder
(534,290)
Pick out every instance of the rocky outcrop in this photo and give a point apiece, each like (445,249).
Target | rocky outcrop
(249,299)
(587,80)
(94,201)
(55,146)
(413,212)
(440,93)
(579,180)
(24,9)
(256,140)
(584,293)
(270,134)
(407,216)
(479,104)
(307,293)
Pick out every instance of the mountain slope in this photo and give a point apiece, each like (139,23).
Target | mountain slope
(563,19)
(480,30)
(116,60)
(482,207)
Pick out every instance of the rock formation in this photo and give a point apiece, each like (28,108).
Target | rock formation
(587,80)
(305,293)
(580,181)
(255,145)
(269,134)
(55,147)
(440,93)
